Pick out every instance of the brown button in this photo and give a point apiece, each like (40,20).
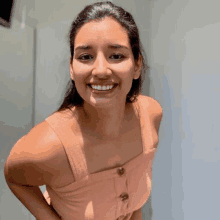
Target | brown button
(124,196)
(121,171)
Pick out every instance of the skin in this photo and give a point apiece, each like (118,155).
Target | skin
(105,114)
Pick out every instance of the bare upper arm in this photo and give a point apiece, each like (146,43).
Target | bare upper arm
(33,160)
(156,112)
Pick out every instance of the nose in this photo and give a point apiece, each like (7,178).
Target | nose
(101,67)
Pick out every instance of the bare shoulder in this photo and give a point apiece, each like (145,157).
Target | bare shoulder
(151,104)
(154,109)
(34,158)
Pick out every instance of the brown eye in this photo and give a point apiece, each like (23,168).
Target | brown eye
(118,56)
(85,57)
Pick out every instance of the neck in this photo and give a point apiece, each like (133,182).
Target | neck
(106,122)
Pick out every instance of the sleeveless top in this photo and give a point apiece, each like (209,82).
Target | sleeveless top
(111,194)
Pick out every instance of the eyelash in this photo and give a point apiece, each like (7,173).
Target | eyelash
(80,58)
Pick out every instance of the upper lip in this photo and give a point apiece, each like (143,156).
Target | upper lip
(103,84)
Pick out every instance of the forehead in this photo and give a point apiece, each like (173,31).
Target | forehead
(106,30)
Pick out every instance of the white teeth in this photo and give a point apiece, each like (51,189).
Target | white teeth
(102,87)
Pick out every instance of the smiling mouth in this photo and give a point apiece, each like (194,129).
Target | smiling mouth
(115,85)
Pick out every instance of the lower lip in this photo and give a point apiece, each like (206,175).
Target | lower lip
(103,91)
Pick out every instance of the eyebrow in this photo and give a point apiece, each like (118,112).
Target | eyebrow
(112,46)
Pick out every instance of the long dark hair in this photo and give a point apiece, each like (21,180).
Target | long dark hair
(98,11)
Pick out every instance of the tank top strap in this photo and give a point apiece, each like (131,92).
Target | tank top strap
(142,107)
(63,126)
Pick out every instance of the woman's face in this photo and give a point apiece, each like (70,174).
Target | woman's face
(103,55)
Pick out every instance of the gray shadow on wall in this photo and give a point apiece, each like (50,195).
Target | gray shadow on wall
(167,178)
(148,211)
(147,81)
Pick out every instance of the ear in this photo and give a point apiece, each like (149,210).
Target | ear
(71,70)
(137,69)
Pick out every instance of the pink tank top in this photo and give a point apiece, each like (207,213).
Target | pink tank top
(107,195)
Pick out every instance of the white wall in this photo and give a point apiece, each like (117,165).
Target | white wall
(25,12)
(16,109)
(185,57)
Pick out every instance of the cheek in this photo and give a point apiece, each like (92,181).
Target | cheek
(124,71)
(80,72)
(80,68)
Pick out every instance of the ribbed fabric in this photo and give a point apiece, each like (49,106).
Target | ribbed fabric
(98,196)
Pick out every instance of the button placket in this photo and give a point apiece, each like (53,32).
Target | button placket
(121,187)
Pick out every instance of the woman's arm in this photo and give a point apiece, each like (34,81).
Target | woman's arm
(29,165)
(32,198)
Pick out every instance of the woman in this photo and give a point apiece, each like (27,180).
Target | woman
(95,153)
